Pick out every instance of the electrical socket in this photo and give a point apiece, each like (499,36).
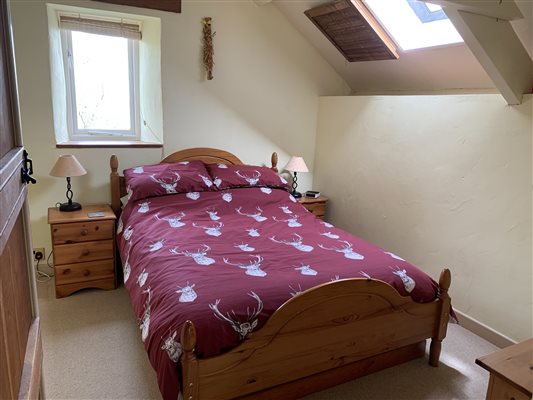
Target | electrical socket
(38,253)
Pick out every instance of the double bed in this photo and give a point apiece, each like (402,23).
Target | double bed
(242,293)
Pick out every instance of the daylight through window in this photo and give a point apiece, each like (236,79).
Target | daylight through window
(101,65)
(414,24)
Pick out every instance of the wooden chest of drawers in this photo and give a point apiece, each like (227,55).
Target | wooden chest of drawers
(84,249)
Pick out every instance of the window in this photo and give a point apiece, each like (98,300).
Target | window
(105,76)
(414,24)
(427,12)
(101,75)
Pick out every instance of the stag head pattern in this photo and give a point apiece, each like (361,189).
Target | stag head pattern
(207,181)
(346,249)
(199,257)
(126,268)
(245,247)
(127,233)
(253,268)
(193,195)
(306,270)
(157,245)
(144,207)
(213,215)
(296,242)
(172,347)
(141,279)
(188,295)
(255,215)
(170,184)
(243,328)
(144,326)
(213,230)
(173,222)
(253,232)
(251,178)
(408,282)
(227,197)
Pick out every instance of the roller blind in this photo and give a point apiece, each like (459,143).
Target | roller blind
(100,27)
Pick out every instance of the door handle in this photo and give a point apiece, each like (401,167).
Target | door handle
(27,169)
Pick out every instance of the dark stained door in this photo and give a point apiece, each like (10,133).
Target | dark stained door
(20,341)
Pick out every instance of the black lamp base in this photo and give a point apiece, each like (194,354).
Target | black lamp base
(296,195)
(71,206)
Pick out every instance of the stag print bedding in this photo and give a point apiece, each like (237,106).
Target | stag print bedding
(227,260)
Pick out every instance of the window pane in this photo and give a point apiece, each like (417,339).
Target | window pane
(102,82)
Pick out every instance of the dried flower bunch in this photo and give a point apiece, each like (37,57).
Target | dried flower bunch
(208,47)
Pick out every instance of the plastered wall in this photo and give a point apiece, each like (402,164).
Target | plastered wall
(264,97)
(440,181)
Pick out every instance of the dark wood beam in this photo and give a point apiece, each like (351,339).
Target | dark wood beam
(163,5)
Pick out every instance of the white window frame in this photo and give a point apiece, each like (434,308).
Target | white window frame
(76,134)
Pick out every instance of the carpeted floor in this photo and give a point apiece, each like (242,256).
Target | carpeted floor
(92,350)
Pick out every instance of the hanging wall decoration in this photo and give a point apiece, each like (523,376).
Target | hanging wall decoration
(208,47)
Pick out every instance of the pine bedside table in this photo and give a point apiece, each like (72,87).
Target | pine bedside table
(84,249)
(511,372)
(316,206)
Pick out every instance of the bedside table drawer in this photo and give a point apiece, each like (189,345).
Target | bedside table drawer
(82,232)
(81,252)
(82,272)
(319,209)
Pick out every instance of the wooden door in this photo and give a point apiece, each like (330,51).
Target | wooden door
(20,341)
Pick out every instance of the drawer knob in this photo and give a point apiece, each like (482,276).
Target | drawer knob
(84,232)
(85,252)
(86,272)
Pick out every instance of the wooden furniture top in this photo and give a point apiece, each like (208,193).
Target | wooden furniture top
(60,217)
(309,200)
(514,364)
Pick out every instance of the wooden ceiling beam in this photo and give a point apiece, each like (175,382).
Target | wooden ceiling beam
(501,9)
(162,5)
(499,51)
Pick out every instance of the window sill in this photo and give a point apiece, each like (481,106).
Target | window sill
(107,144)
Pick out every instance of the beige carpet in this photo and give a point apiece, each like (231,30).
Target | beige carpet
(92,350)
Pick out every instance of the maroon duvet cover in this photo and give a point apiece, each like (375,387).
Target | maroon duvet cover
(227,260)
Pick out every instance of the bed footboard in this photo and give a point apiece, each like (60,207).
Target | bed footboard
(351,326)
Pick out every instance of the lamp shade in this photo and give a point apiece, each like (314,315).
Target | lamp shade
(296,164)
(67,165)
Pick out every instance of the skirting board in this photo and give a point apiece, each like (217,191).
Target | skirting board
(482,330)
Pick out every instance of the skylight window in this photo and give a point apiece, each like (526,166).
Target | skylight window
(414,24)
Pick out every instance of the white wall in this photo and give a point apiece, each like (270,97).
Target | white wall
(264,96)
(441,181)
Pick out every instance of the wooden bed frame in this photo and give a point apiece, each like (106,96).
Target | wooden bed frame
(325,336)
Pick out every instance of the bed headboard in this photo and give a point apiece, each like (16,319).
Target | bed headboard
(205,154)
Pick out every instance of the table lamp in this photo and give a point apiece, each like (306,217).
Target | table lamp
(296,164)
(66,166)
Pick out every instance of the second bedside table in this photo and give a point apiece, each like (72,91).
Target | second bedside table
(510,372)
(84,249)
(316,206)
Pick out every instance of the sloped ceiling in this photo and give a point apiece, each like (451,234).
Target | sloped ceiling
(449,68)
